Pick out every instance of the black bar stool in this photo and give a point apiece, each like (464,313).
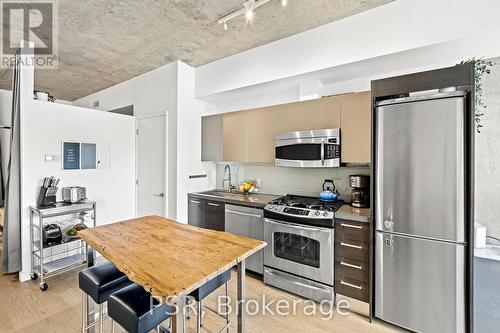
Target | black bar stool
(99,282)
(134,309)
(201,293)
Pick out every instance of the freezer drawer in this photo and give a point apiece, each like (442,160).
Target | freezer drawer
(248,222)
(419,283)
(419,180)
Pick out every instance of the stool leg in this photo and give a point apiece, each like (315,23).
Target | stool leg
(227,312)
(84,312)
(199,318)
(112,326)
(158,329)
(100,319)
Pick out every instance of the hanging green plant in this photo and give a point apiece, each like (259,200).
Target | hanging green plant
(481,67)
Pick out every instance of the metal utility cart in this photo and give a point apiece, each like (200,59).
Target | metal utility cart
(66,255)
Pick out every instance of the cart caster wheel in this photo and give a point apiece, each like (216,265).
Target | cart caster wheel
(34,276)
(44,286)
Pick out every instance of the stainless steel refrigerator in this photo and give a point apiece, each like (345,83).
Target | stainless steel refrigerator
(420,241)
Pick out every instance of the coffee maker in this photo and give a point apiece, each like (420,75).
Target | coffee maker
(360,196)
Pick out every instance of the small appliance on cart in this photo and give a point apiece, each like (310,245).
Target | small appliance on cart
(55,245)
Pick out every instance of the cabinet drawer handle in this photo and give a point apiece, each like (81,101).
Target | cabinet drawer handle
(351,226)
(243,214)
(350,285)
(212,204)
(350,265)
(195,201)
(351,245)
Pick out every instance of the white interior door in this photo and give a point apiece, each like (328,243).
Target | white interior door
(151,171)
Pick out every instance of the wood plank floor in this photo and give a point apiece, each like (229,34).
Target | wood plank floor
(25,308)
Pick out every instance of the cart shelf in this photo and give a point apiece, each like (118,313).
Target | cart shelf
(64,255)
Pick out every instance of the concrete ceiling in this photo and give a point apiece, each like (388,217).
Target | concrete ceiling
(102,43)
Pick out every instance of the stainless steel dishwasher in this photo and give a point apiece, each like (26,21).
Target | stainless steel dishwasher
(248,222)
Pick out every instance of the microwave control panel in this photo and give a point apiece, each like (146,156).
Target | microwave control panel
(332,150)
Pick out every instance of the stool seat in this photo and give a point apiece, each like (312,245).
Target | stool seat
(130,307)
(211,286)
(101,281)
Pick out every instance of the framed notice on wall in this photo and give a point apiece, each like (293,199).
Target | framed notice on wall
(89,156)
(71,155)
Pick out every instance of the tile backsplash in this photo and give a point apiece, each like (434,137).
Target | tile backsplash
(283,180)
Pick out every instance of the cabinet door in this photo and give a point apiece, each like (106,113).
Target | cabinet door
(214,216)
(235,140)
(356,127)
(261,136)
(196,212)
(315,114)
(211,138)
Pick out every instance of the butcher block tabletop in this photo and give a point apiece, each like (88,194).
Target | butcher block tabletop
(167,258)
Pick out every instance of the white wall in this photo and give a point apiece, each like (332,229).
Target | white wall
(190,111)
(5,120)
(170,87)
(5,107)
(152,93)
(44,126)
(487,209)
(395,27)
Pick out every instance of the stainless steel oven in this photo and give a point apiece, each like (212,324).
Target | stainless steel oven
(300,250)
(315,148)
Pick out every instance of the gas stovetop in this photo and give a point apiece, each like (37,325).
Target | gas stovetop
(303,210)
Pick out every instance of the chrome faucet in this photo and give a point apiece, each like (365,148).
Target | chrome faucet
(227,168)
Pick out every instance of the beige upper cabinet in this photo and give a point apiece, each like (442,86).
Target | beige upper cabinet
(235,137)
(314,114)
(249,136)
(260,136)
(356,127)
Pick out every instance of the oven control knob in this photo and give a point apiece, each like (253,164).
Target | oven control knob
(317,213)
(325,214)
(271,207)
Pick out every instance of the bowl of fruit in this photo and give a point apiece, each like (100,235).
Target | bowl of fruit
(248,186)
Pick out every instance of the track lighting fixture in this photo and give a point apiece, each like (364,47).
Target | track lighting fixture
(248,9)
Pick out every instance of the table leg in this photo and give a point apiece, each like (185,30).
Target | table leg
(89,304)
(241,296)
(179,320)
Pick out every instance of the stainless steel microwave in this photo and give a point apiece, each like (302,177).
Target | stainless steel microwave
(308,149)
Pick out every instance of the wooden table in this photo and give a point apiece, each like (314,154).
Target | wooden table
(170,259)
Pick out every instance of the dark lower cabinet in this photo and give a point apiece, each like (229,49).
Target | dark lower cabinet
(352,259)
(196,212)
(214,216)
(205,213)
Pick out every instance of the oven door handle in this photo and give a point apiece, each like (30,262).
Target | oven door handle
(283,276)
(294,226)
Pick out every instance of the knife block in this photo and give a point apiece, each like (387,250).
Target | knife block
(47,196)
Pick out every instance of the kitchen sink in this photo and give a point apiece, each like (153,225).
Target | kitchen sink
(222,194)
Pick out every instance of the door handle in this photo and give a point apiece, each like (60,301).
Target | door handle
(323,152)
(243,214)
(351,226)
(350,285)
(161,195)
(214,205)
(350,265)
(351,245)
